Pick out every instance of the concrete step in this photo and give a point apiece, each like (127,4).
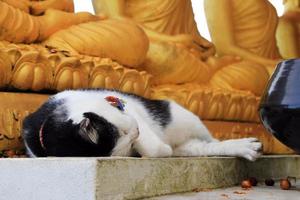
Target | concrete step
(131,178)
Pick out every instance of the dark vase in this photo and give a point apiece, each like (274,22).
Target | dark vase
(280,105)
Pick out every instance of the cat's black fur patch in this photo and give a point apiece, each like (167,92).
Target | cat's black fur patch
(32,124)
(159,110)
(62,138)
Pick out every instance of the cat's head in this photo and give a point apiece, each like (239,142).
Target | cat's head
(93,136)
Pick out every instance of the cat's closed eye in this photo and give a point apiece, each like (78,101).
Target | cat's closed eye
(123,133)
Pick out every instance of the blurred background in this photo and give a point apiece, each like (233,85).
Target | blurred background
(86,5)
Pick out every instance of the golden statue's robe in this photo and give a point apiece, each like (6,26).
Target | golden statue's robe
(252,27)
(167,16)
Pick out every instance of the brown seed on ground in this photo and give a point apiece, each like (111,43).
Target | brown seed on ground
(285,184)
(246,184)
(253,181)
(269,182)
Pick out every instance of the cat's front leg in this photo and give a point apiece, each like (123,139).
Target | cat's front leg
(132,129)
(248,148)
(129,132)
(148,144)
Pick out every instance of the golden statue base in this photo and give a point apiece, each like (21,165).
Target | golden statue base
(14,107)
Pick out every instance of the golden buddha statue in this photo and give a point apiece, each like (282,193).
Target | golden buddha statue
(288,30)
(247,27)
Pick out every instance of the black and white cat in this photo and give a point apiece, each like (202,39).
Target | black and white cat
(112,123)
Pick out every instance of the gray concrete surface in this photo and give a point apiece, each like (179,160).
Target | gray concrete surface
(260,192)
(130,178)
(47,179)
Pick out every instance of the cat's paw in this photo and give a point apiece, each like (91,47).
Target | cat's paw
(249,148)
(132,129)
(165,151)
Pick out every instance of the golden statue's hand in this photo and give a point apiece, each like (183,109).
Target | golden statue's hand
(198,45)
(218,62)
(206,48)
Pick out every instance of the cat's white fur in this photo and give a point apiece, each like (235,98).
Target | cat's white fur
(185,135)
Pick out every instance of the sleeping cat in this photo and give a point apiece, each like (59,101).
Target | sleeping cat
(112,123)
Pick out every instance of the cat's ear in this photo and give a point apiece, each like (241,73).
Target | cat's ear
(88,132)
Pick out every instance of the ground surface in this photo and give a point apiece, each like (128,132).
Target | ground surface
(259,192)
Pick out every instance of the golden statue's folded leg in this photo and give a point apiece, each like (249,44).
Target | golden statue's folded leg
(244,75)
(130,43)
(170,63)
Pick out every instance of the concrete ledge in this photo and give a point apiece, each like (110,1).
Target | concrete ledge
(130,178)
(276,167)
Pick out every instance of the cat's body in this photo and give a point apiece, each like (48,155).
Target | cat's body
(85,123)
